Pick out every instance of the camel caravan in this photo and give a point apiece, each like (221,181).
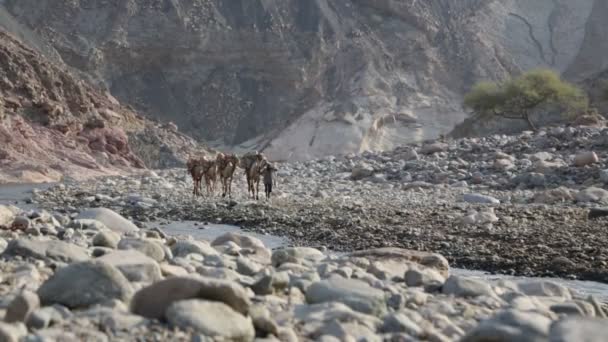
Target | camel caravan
(223,166)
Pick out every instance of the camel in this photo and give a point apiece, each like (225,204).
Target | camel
(246,163)
(195,168)
(210,174)
(226,165)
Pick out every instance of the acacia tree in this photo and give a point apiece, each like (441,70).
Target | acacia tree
(519,97)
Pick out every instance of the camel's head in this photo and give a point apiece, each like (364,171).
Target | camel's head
(192,162)
(220,157)
(234,159)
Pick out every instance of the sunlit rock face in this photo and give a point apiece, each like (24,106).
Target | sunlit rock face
(309,78)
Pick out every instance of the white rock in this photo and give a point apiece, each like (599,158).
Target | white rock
(585,158)
(466,287)
(504,164)
(423,277)
(296,255)
(22,306)
(84,284)
(511,325)
(150,248)
(553,196)
(134,265)
(106,239)
(604,176)
(480,217)
(579,329)
(541,156)
(47,249)
(152,301)
(6,216)
(480,199)
(214,319)
(592,194)
(110,219)
(184,247)
(543,288)
(354,293)
(12,332)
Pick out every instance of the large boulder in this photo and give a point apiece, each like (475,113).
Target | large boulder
(84,284)
(579,329)
(543,288)
(254,248)
(184,247)
(592,194)
(213,319)
(296,255)
(511,325)
(426,277)
(150,248)
(12,332)
(106,239)
(134,265)
(480,217)
(46,249)
(399,258)
(480,199)
(22,306)
(585,158)
(110,219)
(466,287)
(6,216)
(152,301)
(355,293)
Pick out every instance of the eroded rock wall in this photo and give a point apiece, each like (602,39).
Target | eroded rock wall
(308,78)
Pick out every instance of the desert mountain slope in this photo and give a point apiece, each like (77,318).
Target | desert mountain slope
(308,78)
(53,124)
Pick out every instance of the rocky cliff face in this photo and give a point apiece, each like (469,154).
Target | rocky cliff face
(53,124)
(308,78)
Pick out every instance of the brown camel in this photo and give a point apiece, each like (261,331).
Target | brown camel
(247,161)
(210,174)
(195,168)
(227,164)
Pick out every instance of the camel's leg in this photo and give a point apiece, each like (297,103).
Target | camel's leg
(224,186)
(248,187)
(230,187)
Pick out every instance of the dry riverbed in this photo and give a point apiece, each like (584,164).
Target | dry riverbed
(517,205)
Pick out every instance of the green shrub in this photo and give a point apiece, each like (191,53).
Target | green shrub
(519,97)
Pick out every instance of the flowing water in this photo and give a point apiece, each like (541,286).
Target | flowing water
(600,290)
(18,194)
(211,231)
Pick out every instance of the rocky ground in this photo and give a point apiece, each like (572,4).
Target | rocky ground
(509,204)
(92,275)
(516,204)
